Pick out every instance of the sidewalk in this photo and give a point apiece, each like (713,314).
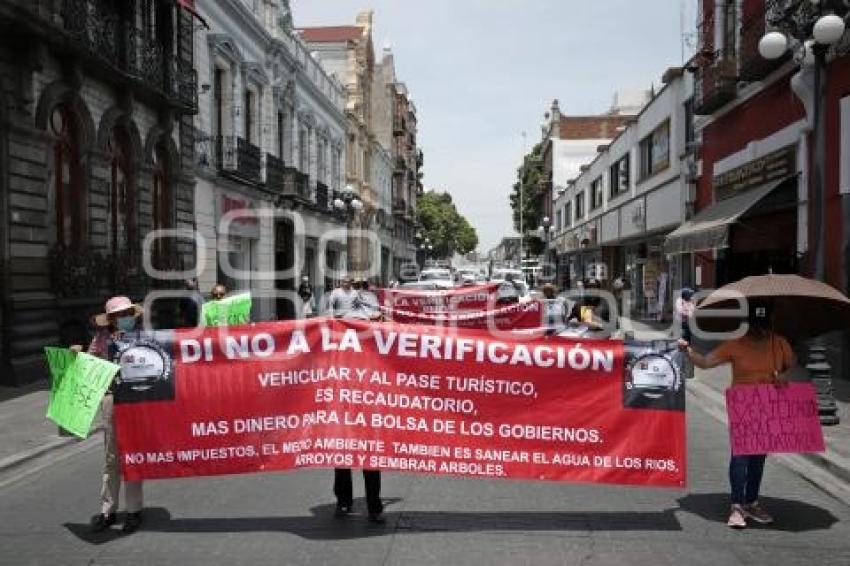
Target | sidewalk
(25,433)
(830,471)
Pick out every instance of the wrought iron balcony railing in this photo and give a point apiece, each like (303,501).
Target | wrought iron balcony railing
(753,66)
(400,164)
(715,83)
(275,172)
(322,196)
(296,184)
(399,207)
(107,33)
(238,157)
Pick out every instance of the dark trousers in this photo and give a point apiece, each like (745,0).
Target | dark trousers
(745,473)
(345,494)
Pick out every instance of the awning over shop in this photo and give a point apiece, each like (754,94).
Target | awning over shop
(709,229)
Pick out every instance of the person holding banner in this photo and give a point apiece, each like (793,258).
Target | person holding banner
(364,307)
(341,300)
(760,356)
(119,317)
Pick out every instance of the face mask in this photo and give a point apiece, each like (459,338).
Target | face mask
(126,323)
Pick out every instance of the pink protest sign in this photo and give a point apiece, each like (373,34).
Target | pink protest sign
(765,419)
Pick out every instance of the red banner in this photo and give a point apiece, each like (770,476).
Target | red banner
(515,316)
(473,298)
(333,393)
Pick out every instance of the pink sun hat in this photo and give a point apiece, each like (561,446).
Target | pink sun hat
(116,305)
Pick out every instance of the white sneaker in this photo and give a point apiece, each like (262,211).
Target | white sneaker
(737,517)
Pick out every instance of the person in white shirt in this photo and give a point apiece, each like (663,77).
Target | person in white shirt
(341,300)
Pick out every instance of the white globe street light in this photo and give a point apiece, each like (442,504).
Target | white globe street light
(339,204)
(829,29)
(349,191)
(773,45)
(356,204)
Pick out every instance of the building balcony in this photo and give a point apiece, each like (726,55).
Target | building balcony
(296,184)
(323,200)
(275,171)
(399,207)
(111,45)
(399,126)
(715,83)
(239,158)
(753,66)
(400,164)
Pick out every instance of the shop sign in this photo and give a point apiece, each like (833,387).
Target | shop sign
(243,220)
(774,166)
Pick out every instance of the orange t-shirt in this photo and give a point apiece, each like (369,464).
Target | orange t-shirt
(753,360)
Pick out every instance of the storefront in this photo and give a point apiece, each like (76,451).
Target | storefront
(752,227)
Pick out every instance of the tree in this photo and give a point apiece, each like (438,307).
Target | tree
(447,230)
(529,177)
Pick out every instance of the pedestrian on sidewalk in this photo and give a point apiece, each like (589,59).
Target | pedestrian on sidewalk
(120,316)
(760,356)
(684,312)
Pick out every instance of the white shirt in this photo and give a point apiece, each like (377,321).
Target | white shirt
(341,302)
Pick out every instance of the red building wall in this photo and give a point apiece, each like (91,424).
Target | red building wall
(837,87)
(764,114)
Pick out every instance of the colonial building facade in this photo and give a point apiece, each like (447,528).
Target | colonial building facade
(96,99)
(394,120)
(380,114)
(611,221)
(271,157)
(347,53)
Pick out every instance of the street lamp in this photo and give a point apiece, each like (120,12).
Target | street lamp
(810,29)
(348,205)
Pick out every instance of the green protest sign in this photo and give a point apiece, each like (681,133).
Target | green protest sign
(58,362)
(75,402)
(229,311)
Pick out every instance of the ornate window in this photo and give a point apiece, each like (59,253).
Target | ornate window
(121,211)
(162,201)
(67,177)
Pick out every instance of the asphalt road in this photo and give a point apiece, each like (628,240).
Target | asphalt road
(287,519)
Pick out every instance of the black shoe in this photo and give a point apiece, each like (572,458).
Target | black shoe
(342,510)
(132,523)
(377,518)
(101,522)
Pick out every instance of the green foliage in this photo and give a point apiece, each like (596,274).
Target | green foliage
(529,177)
(448,231)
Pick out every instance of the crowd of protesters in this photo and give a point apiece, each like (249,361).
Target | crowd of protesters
(761,356)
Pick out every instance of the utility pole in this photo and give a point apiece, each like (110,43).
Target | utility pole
(521,198)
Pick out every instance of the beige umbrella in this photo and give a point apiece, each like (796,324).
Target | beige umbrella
(802,307)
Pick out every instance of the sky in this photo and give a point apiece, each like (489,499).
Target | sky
(483,71)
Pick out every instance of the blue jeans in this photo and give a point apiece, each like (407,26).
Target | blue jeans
(745,473)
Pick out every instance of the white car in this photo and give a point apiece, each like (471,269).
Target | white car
(438,277)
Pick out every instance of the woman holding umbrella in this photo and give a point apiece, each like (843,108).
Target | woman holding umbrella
(760,356)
